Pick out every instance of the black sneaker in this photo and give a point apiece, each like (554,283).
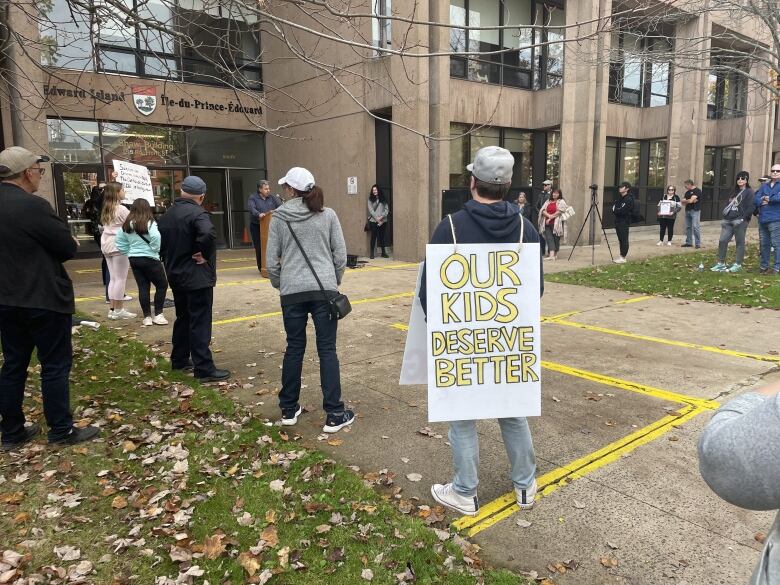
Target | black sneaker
(215,376)
(29,434)
(290,417)
(77,435)
(338,420)
(763,270)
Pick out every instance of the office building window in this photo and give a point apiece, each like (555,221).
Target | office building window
(74,141)
(721,165)
(727,90)
(552,167)
(222,48)
(381,26)
(468,140)
(640,162)
(639,69)
(508,55)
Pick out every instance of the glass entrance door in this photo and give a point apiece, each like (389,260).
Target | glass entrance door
(73,185)
(216,202)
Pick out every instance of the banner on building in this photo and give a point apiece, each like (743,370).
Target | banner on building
(483,332)
(136,181)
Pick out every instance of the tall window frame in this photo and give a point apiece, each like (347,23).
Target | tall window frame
(381,26)
(640,68)
(727,89)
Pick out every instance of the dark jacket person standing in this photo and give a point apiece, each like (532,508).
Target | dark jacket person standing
(36,303)
(189,252)
(622,209)
(259,205)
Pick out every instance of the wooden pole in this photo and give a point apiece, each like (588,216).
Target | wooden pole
(265,223)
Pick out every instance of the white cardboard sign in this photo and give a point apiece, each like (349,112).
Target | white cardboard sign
(414,367)
(483,333)
(136,181)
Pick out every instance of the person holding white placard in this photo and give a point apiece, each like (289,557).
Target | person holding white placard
(668,207)
(486,218)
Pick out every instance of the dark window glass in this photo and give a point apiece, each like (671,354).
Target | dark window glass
(223,148)
(143,144)
(639,69)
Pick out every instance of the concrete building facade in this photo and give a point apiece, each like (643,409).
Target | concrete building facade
(574,102)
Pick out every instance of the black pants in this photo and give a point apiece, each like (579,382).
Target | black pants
(103,264)
(553,241)
(621,228)
(148,271)
(377,232)
(667,225)
(192,330)
(21,331)
(254,232)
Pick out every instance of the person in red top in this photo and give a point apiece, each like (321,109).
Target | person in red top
(551,222)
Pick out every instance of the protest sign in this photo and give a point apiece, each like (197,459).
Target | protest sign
(483,334)
(414,367)
(136,181)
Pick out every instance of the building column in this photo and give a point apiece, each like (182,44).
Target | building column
(688,107)
(583,122)
(27,105)
(759,122)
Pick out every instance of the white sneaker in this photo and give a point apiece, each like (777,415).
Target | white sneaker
(446,495)
(669,243)
(288,421)
(160,320)
(620,260)
(127,298)
(526,497)
(147,322)
(112,315)
(660,243)
(124,314)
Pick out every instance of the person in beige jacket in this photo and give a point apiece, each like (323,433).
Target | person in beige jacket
(552,222)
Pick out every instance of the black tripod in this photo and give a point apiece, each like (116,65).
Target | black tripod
(594,207)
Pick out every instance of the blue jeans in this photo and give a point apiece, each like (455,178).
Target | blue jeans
(295,318)
(22,331)
(693,223)
(465,453)
(768,237)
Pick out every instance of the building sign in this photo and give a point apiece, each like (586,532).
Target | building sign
(145,98)
(352,186)
(483,342)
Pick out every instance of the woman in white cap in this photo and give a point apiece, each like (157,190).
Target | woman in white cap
(306,257)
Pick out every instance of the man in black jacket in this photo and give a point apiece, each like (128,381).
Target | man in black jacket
(36,303)
(486,218)
(189,252)
(622,210)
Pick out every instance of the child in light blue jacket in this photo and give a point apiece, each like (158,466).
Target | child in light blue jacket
(139,239)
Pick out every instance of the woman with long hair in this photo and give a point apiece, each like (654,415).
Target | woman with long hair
(112,217)
(139,240)
(551,224)
(306,257)
(736,217)
(378,211)
(668,207)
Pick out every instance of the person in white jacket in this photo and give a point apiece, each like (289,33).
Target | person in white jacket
(112,217)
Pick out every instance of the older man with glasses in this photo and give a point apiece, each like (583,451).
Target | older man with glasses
(767,201)
(36,303)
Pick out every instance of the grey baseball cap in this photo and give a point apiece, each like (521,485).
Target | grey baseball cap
(547,182)
(16,159)
(193,185)
(492,164)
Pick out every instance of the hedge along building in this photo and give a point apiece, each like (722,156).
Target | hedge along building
(601,108)
(121,93)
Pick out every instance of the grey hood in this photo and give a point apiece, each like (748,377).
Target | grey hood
(293,210)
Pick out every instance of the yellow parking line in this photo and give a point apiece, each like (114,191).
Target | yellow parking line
(634,300)
(400,326)
(672,342)
(561,316)
(278,313)
(506,505)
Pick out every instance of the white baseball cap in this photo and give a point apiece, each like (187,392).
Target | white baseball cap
(492,164)
(299,179)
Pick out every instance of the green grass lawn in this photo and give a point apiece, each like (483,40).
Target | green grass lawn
(188,485)
(679,276)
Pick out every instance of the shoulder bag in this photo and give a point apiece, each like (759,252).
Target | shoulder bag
(339,305)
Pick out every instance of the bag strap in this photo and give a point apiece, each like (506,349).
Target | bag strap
(305,257)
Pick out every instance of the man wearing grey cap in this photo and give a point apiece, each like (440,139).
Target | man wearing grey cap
(189,252)
(486,218)
(36,303)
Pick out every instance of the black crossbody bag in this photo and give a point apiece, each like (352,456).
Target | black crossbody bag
(339,305)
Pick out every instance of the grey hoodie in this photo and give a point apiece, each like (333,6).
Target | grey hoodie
(321,236)
(739,458)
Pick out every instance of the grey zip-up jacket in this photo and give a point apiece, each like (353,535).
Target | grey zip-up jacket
(739,458)
(321,236)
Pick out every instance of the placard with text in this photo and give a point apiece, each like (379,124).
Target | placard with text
(136,181)
(483,333)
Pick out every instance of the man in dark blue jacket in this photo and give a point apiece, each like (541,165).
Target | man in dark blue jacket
(767,201)
(486,219)
(36,303)
(189,252)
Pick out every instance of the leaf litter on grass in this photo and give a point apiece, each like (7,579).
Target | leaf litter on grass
(185,486)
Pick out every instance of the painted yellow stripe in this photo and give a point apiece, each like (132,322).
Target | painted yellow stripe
(632,386)
(729,352)
(561,316)
(278,313)
(634,300)
(400,326)
(506,505)
(87,270)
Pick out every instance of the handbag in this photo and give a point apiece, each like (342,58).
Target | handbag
(367,227)
(338,305)
(568,213)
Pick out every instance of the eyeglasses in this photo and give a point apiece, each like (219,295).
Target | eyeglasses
(775,171)
(41,170)
(670,190)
